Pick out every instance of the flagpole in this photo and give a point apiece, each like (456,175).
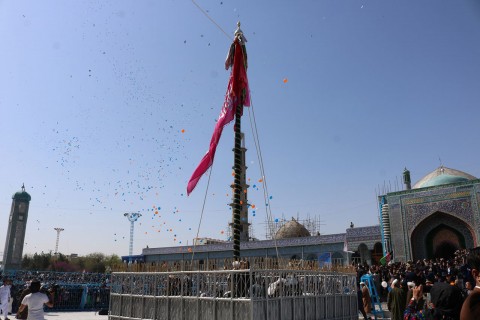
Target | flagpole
(237,167)
(237,205)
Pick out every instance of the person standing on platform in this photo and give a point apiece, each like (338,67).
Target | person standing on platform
(396,301)
(5,297)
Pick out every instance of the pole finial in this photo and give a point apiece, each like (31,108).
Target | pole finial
(239,33)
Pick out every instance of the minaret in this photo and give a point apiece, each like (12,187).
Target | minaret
(17,225)
(244,225)
(406,179)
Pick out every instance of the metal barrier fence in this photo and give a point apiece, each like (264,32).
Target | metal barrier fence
(261,263)
(233,294)
(80,297)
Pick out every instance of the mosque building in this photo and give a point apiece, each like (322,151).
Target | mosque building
(437,216)
(434,218)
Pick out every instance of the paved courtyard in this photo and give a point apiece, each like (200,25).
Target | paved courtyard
(81,315)
(90,315)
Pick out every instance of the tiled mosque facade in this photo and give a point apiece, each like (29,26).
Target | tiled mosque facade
(432,219)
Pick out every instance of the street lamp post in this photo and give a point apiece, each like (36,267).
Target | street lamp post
(132,217)
(58,238)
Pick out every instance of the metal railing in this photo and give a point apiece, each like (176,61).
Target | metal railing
(260,263)
(233,294)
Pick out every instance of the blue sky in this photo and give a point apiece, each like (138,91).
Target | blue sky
(94,96)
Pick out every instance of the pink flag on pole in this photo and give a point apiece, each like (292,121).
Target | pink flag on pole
(237,93)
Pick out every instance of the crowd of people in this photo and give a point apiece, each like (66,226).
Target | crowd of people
(20,277)
(424,289)
(65,290)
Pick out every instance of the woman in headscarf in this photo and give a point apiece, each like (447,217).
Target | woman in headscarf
(471,306)
(446,303)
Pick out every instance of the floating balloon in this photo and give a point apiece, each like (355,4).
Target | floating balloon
(285,80)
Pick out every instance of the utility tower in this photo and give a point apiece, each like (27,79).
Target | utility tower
(58,238)
(132,217)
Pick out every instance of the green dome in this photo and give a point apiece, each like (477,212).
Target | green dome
(444,179)
(22,195)
(441,176)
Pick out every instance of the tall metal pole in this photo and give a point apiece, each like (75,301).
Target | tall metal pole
(237,167)
(132,217)
(58,238)
(237,187)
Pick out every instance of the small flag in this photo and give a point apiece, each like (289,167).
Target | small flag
(383,260)
(237,94)
(386,259)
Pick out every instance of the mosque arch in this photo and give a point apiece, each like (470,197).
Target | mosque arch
(364,253)
(443,241)
(377,253)
(439,236)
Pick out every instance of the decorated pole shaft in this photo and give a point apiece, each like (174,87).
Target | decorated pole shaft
(237,58)
(237,186)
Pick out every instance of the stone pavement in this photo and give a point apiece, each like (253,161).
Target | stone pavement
(386,313)
(91,315)
(78,315)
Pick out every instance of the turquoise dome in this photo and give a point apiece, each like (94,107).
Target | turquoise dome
(441,176)
(444,179)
